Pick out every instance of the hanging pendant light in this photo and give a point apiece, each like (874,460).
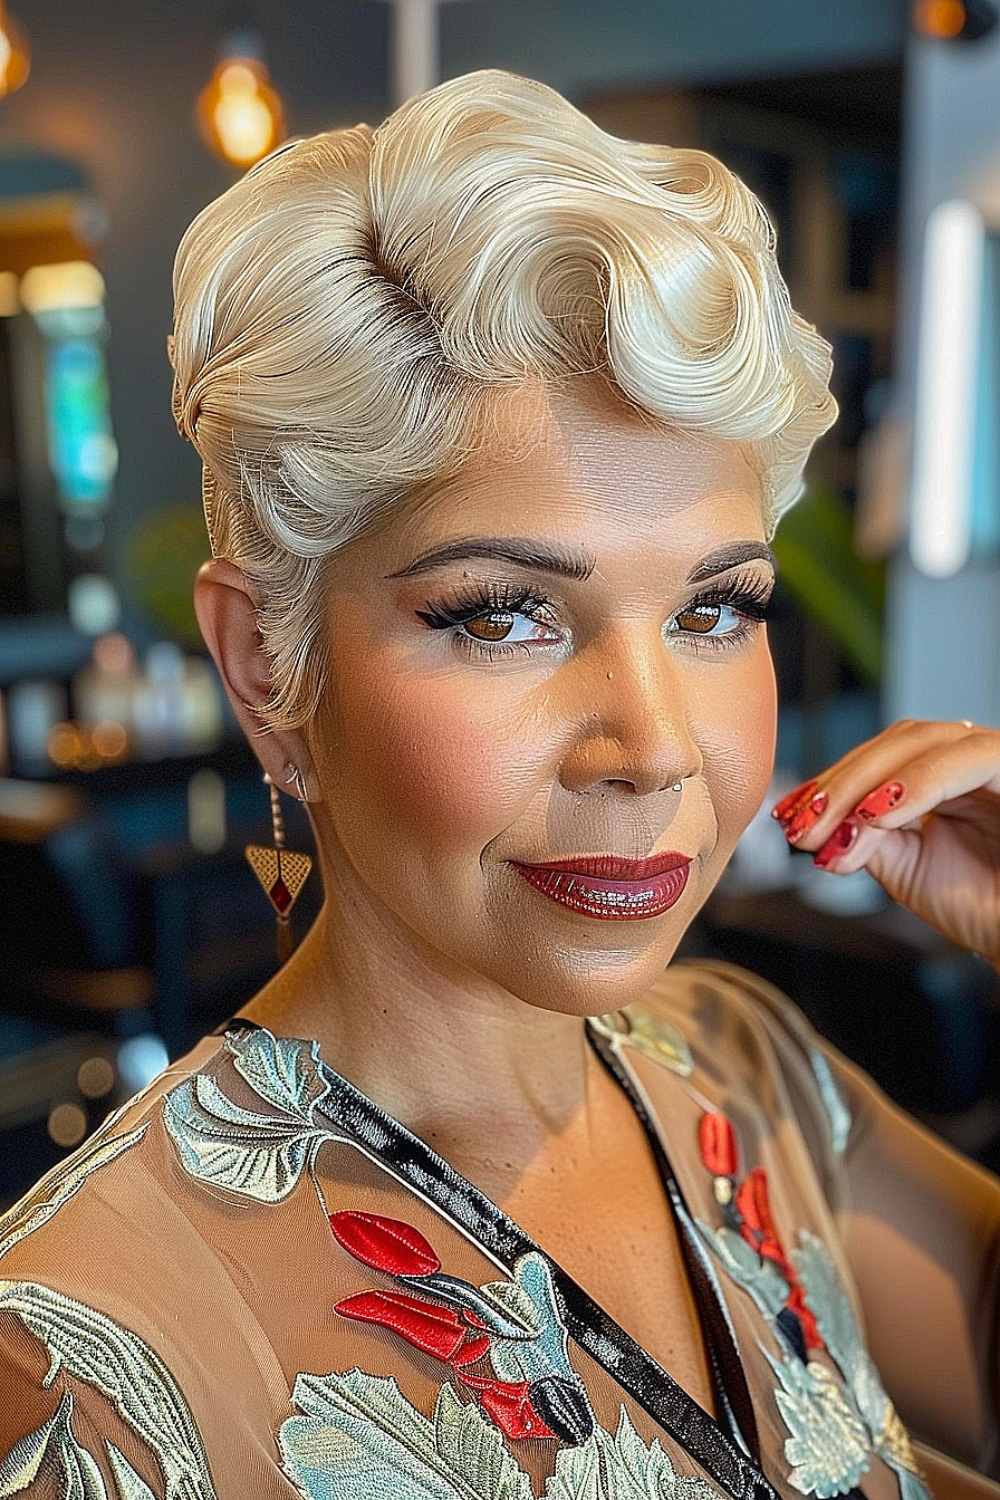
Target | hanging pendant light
(239,114)
(15,53)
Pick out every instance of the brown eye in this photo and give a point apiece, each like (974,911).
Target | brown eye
(699,618)
(495,626)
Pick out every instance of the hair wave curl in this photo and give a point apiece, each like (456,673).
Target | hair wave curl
(347,310)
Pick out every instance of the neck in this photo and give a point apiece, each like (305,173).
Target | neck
(462,1062)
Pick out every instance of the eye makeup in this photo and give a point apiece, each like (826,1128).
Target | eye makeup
(487,599)
(495,606)
(483,620)
(747,596)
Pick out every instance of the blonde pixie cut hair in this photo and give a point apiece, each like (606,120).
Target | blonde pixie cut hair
(347,313)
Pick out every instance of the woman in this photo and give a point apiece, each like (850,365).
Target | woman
(497,413)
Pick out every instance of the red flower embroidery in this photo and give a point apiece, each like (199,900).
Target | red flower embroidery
(509,1404)
(751,1213)
(758,1229)
(756,1223)
(433,1330)
(717,1141)
(384,1244)
(459,1338)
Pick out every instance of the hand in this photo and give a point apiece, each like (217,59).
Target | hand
(919,808)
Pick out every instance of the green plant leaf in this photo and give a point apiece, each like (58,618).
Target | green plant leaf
(814,546)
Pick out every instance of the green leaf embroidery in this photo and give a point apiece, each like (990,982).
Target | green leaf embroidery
(359,1436)
(56,1440)
(839,1330)
(65,1180)
(131,1486)
(622,1468)
(828,1446)
(91,1347)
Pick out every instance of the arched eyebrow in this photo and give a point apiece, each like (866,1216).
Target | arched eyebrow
(525,552)
(731,556)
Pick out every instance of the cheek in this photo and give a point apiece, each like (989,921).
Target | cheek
(738,743)
(431,755)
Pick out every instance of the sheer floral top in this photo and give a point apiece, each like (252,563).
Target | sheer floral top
(252,1282)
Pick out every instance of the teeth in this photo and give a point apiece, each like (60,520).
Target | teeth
(615,898)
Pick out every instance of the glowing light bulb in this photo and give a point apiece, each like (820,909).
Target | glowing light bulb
(941,19)
(239,114)
(15,53)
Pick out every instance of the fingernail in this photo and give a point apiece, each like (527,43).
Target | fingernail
(837,844)
(804,819)
(881,801)
(784,809)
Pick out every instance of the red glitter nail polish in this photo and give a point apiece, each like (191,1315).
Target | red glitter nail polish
(883,800)
(837,844)
(785,809)
(804,817)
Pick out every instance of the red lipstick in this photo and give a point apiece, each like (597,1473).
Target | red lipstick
(610,887)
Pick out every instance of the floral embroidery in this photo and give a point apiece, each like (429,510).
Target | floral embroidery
(532,1390)
(257,1153)
(55,1448)
(747,1212)
(358,1436)
(64,1181)
(90,1347)
(835,1426)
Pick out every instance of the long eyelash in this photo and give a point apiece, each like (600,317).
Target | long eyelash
(482,600)
(748,593)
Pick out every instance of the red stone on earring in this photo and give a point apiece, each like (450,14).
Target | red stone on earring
(281,872)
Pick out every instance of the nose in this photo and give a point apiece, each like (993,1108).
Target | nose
(633,718)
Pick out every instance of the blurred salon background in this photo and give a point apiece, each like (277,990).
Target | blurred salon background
(130,921)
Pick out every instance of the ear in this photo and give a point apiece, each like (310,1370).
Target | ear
(226,605)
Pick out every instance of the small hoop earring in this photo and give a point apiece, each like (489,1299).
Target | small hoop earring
(297,780)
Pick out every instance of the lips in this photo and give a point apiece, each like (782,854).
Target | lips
(609,887)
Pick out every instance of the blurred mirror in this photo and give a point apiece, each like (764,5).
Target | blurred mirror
(57,451)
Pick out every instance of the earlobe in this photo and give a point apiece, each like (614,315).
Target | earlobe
(226,604)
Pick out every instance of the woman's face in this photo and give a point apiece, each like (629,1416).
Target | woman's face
(525,667)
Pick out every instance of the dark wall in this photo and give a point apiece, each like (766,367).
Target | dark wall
(113,84)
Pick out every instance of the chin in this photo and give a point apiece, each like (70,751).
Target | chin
(592,981)
(575,964)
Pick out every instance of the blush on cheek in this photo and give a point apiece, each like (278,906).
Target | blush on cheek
(739,749)
(429,760)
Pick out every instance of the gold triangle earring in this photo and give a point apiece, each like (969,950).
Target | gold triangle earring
(282,872)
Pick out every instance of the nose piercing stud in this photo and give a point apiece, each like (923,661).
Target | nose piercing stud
(677,787)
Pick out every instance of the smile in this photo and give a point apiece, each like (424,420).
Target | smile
(609,887)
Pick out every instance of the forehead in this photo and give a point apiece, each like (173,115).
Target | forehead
(581,466)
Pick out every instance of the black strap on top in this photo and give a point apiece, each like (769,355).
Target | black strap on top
(731,1387)
(407,1158)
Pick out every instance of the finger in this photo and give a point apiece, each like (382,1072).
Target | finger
(802,809)
(931,780)
(848,848)
(854,846)
(880,769)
